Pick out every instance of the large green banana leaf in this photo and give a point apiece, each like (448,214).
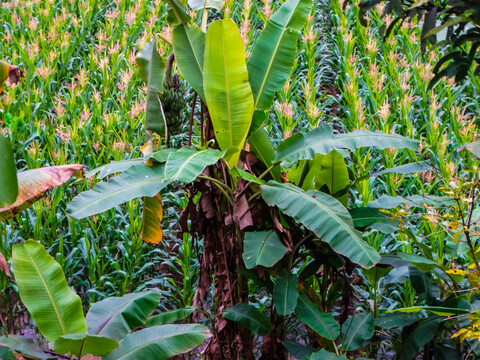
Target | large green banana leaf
(189,47)
(56,310)
(8,174)
(285,292)
(139,180)
(116,317)
(187,163)
(325,216)
(323,324)
(322,140)
(227,90)
(273,55)
(160,342)
(83,344)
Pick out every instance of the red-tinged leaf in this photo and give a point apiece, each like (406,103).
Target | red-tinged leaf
(152,232)
(34,183)
(4,266)
(10,72)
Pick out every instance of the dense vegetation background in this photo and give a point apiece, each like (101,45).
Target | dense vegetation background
(82,101)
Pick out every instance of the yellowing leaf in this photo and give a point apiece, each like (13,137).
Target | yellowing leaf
(32,185)
(453,225)
(152,232)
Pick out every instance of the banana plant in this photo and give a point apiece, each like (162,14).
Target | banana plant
(256,225)
(108,328)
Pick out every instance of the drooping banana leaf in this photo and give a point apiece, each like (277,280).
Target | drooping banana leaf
(116,317)
(325,216)
(160,342)
(323,324)
(171,316)
(139,180)
(8,174)
(356,330)
(262,146)
(176,12)
(152,71)
(273,55)
(249,317)
(189,48)
(113,167)
(227,90)
(187,163)
(322,140)
(285,293)
(83,344)
(57,310)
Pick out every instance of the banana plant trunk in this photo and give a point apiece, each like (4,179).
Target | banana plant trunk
(211,219)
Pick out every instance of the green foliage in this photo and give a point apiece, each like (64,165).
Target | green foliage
(262,248)
(160,342)
(325,216)
(57,310)
(249,317)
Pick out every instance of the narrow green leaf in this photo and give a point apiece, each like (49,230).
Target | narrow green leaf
(285,293)
(8,174)
(325,216)
(390,202)
(356,330)
(273,55)
(189,48)
(322,323)
(116,317)
(249,317)
(249,177)
(56,310)
(83,344)
(262,248)
(227,90)
(139,180)
(171,316)
(262,146)
(160,342)
(113,167)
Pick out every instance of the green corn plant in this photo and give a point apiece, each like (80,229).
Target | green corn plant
(247,217)
(106,331)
